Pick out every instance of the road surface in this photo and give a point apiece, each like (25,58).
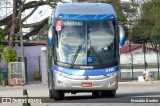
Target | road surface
(125,93)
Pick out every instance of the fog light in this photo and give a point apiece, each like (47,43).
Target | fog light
(61,83)
(111,84)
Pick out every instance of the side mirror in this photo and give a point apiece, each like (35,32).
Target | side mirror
(51,35)
(121,35)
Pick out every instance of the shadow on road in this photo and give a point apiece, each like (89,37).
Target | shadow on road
(120,98)
(139,94)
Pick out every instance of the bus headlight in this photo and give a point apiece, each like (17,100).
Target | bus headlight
(61,74)
(59,80)
(113,74)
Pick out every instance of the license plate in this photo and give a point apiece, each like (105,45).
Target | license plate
(86,84)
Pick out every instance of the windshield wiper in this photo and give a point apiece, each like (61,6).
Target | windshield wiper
(99,59)
(75,56)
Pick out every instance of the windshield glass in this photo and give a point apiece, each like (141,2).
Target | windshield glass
(71,35)
(101,36)
(96,40)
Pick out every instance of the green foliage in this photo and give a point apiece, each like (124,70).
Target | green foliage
(149,24)
(3,76)
(1,48)
(1,34)
(10,55)
(16,37)
(42,34)
(135,66)
(119,9)
(50,56)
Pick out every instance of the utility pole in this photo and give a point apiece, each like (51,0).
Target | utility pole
(158,62)
(144,51)
(21,37)
(131,57)
(21,40)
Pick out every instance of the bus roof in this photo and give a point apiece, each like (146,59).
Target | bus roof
(84,8)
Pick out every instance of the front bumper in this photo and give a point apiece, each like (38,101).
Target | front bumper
(70,82)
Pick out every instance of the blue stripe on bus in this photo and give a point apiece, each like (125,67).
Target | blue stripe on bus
(81,72)
(50,41)
(87,17)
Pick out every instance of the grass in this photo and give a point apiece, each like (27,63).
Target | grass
(137,66)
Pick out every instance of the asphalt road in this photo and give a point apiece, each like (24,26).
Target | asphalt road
(126,93)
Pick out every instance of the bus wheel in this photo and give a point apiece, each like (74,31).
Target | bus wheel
(58,95)
(95,94)
(108,93)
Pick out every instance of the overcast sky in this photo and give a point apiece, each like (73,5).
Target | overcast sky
(41,13)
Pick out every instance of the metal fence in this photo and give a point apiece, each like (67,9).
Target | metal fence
(16,73)
(134,65)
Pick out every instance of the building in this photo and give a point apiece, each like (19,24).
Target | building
(133,48)
(134,53)
(136,48)
(32,54)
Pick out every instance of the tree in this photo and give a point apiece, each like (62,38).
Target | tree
(146,28)
(119,9)
(149,24)
(10,55)
(127,13)
(1,46)
(11,22)
(42,34)
(130,11)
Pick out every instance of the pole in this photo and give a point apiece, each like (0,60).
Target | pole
(21,39)
(132,65)
(144,51)
(21,42)
(158,63)
(131,58)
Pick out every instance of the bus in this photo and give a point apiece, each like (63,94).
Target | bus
(83,50)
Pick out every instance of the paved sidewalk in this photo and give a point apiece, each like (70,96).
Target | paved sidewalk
(34,90)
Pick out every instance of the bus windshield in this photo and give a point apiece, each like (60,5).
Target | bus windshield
(96,39)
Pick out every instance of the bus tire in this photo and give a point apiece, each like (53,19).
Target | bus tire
(95,94)
(58,95)
(108,93)
(50,93)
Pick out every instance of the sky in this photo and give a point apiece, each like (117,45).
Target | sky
(41,13)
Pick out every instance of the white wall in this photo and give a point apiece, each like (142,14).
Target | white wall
(138,58)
